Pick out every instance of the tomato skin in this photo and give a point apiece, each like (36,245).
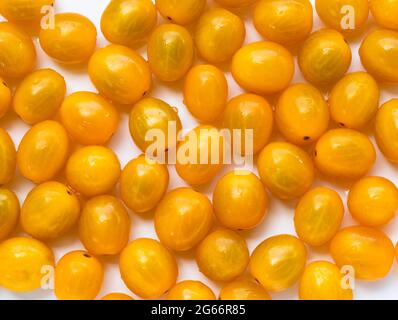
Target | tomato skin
(9,212)
(8,157)
(24,11)
(386,129)
(191,290)
(181,12)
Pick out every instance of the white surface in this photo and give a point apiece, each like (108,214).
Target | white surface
(278,221)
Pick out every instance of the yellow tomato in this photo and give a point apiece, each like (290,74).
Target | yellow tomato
(286,22)
(385,13)
(22,262)
(9,212)
(72,40)
(181,12)
(93,170)
(278,262)
(236,3)
(39,96)
(183,218)
(240,201)
(5,98)
(8,157)
(128,22)
(78,276)
(206,92)
(324,57)
(200,155)
(191,290)
(117,296)
(323,280)
(120,74)
(249,112)
(379,54)
(218,35)
(345,154)
(89,118)
(318,216)
(354,100)
(143,184)
(150,117)
(223,255)
(17,52)
(286,170)
(263,67)
(302,114)
(43,151)
(148,268)
(50,210)
(373,201)
(386,129)
(24,11)
(104,226)
(244,289)
(369,251)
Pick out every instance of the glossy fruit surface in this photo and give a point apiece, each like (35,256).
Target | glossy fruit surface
(89,118)
(120,74)
(9,212)
(24,11)
(116,296)
(183,218)
(43,151)
(385,13)
(286,170)
(386,129)
(218,35)
(236,3)
(5,98)
(181,12)
(39,96)
(78,276)
(278,262)
(223,255)
(244,289)
(21,263)
(318,216)
(8,157)
(191,290)
(148,268)
(50,210)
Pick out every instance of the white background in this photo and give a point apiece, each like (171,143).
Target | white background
(280,217)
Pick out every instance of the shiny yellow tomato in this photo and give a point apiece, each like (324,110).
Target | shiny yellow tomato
(50,210)
(191,290)
(344,154)
(323,280)
(89,118)
(43,151)
(181,12)
(286,22)
(286,170)
(278,262)
(104,226)
(8,157)
(324,57)
(200,155)
(369,251)
(373,201)
(17,52)
(354,100)
(249,112)
(9,212)
(22,261)
(386,129)
(318,216)
(150,117)
(39,96)
(343,15)
(147,268)
(302,114)
(128,22)
(205,92)
(263,67)
(183,218)
(244,289)
(120,74)
(5,98)
(379,54)
(218,35)
(116,296)
(78,276)
(143,184)
(385,13)
(24,11)
(72,40)
(240,201)
(236,3)
(93,170)
(223,255)
(170,52)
